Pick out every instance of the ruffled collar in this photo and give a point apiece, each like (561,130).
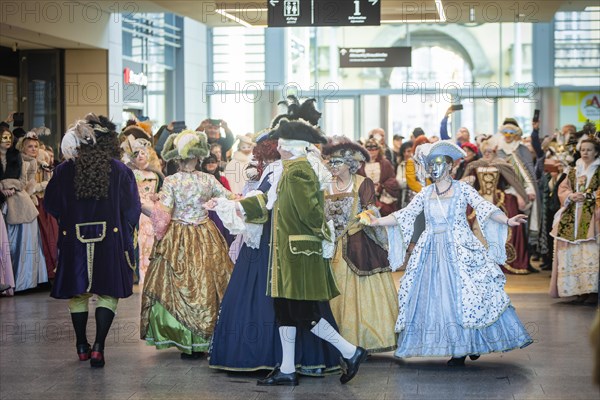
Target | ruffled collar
(580,170)
(509,148)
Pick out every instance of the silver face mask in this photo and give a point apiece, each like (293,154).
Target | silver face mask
(439,168)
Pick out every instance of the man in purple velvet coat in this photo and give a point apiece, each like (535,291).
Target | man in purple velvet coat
(95,199)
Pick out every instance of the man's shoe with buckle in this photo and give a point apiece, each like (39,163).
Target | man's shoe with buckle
(350,365)
(278,378)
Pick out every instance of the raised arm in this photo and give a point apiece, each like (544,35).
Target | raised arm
(444,126)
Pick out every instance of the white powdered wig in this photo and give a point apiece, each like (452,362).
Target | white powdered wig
(79,132)
(296,147)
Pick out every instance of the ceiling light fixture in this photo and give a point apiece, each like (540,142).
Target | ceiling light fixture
(233,18)
(440,10)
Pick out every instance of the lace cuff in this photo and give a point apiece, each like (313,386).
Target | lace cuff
(253,235)
(495,235)
(160,222)
(228,213)
(396,247)
(328,245)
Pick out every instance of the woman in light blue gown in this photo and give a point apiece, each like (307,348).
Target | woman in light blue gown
(451,298)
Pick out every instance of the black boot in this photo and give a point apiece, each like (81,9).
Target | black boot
(79,325)
(104,319)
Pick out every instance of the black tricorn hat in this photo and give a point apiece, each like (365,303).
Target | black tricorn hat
(297,130)
(295,111)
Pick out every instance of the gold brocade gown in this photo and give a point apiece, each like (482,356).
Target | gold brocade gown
(189,267)
(367,309)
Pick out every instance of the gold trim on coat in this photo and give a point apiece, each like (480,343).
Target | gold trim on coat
(304,238)
(82,239)
(90,247)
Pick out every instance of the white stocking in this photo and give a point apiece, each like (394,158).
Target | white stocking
(326,332)
(287,335)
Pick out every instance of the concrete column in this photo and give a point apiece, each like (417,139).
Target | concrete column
(195,71)
(115,71)
(543,54)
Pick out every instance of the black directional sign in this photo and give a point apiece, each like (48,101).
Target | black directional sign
(375,57)
(284,13)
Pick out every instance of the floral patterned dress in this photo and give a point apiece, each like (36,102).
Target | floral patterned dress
(577,236)
(148,183)
(451,298)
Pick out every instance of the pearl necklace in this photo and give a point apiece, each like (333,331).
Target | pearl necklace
(345,189)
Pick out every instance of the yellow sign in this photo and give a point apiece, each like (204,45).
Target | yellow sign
(589,106)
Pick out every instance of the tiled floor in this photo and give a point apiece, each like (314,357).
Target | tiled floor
(38,361)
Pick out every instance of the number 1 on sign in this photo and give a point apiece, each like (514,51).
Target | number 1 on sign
(356,7)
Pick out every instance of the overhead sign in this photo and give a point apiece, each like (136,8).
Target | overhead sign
(375,57)
(284,13)
(132,78)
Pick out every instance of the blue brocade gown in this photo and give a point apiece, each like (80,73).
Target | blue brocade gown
(246,337)
(433,328)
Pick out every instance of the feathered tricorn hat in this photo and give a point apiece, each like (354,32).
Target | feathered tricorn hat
(296,111)
(185,145)
(337,145)
(297,130)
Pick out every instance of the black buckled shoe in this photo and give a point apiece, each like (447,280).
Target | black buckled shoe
(457,362)
(97,359)
(474,357)
(278,378)
(84,351)
(350,365)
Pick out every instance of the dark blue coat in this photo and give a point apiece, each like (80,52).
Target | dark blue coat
(95,236)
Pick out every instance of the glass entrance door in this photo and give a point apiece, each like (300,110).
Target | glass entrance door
(41,93)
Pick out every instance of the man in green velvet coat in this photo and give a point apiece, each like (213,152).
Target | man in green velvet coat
(299,274)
